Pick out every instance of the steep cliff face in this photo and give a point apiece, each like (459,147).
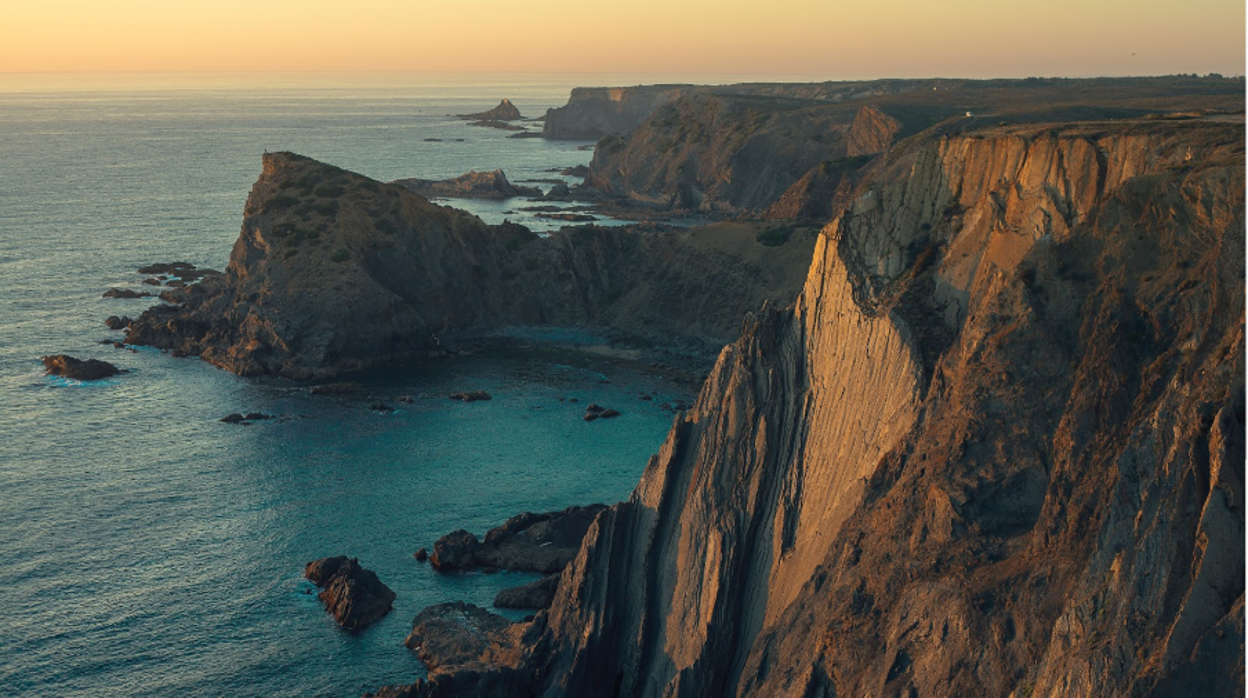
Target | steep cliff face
(594,112)
(723,152)
(996,447)
(334,272)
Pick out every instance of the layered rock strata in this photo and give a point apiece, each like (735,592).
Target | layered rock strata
(996,448)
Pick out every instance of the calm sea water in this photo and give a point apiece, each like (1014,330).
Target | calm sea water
(150,549)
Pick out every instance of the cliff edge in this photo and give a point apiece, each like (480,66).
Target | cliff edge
(996,448)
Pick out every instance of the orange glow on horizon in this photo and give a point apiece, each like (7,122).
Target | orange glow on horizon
(889,38)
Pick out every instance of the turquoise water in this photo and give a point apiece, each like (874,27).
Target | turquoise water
(152,550)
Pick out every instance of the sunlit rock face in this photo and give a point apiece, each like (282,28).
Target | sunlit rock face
(995,448)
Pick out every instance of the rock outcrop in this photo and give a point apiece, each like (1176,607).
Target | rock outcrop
(473,185)
(354,596)
(528,542)
(505,111)
(67,366)
(334,272)
(996,448)
(535,595)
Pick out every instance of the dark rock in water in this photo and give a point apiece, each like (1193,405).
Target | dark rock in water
(558,192)
(171,268)
(117,323)
(380,407)
(125,293)
(536,595)
(527,134)
(595,408)
(590,416)
(233,418)
(473,185)
(152,281)
(421,555)
(452,636)
(343,388)
(495,123)
(406,399)
(175,283)
(608,414)
(505,111)
(568,217)
(471,396)
(528,542)
(576,171)
(78,369)
(258,416)
(354,596)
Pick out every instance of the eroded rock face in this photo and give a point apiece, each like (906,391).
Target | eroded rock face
(78,369)
(996,447)
(354,596)
(535,595)
(528,542)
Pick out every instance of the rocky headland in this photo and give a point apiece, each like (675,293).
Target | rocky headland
(995,448)
(334,272)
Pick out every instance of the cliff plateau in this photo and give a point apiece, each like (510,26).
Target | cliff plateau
(995,448)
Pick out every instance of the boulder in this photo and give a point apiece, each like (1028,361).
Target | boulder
(117,323)
(454,635)
(354,596)
(528,542)
(78,369)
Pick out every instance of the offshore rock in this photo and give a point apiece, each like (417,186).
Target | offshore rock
(354,596)
(528,542)
(78,369)
(505,111)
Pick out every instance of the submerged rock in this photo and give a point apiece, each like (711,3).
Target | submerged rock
(79,369)
(471,396)
(354,596)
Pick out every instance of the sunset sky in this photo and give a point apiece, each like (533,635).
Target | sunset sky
(883,38)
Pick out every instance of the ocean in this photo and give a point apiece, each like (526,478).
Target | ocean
(150,549)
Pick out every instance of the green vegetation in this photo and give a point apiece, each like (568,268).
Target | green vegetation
(341,255)
(279,203)
(329,209)
(329,191)
(775,236)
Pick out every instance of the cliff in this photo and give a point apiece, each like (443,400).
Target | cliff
(996,448)
(709,152)
(781,150)
(594,112)
(334,272)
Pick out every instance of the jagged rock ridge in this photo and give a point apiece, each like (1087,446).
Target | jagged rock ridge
(996,448)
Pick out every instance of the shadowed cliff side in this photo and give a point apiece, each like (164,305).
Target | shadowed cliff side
(997,448)
(334,272)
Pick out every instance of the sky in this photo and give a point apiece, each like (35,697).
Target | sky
(832,38)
